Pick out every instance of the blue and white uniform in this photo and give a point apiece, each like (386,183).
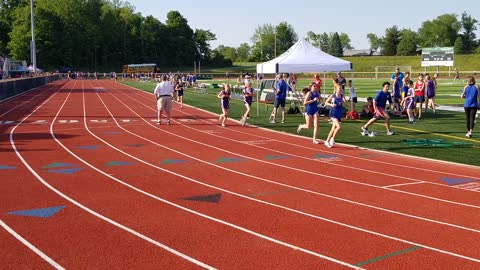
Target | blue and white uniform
(337,111)
(312,108)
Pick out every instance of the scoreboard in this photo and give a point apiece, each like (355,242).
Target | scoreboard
(442,56)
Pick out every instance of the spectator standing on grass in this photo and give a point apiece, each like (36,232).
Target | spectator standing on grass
(224,96)
(429,93)
(179,91)
(410,101)
(335,101)
(163,93)
(471,96)
(353,96)
(292,79)
(379,104)
(405,87)
(280,99)
(420,95)
(341,82)
(312,98)
(318,81)
(401,76)
(396,94)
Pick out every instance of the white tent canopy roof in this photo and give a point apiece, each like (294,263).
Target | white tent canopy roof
(304,57)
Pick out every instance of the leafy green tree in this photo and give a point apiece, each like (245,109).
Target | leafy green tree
(20,34)
(375,42)
(286,37)
(321,41)
(151,33)
(182,44)
(227,52)
(312,38)
(408,43)
(440,32)
(391,41)
(469,37)
(346,42)
(459,45)
(7,16)
(335,46)
(269,40)
(219,61)
(243,53)
(324,42)
(263,41)
(202,39)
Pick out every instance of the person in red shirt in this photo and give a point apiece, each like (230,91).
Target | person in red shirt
(420,94)
(318,82)
(368,108)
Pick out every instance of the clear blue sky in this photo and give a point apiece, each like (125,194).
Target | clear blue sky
(234,22)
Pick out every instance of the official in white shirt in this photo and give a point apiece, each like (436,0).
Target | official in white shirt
(164,94)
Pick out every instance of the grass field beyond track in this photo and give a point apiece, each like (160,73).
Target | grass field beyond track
(437,136)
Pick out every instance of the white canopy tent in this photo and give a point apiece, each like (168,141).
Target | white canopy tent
(304,57)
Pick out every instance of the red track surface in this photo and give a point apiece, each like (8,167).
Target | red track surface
(277,201)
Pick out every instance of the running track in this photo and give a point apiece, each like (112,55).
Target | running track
(89,181)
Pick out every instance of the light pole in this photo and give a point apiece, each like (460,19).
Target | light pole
(275,44)
(34,53)
(261,48)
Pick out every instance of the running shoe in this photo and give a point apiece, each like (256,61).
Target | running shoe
(332,142)
(364,131)
(299,129)
(328,144)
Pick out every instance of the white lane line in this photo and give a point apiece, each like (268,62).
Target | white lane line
(20,238)
(293,168)
(30,246)
(283,207)
(17,152)
(23,103)
(405,184)
(279,242)
(463,166)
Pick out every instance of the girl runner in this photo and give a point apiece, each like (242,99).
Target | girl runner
(224,96)
(312,97)
(336,101)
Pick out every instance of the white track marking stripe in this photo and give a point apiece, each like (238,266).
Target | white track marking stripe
(30,246)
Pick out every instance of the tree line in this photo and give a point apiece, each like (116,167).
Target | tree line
(106,34)
(100,35)
(444,31)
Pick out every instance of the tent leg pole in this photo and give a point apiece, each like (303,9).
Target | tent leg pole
(256,103)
